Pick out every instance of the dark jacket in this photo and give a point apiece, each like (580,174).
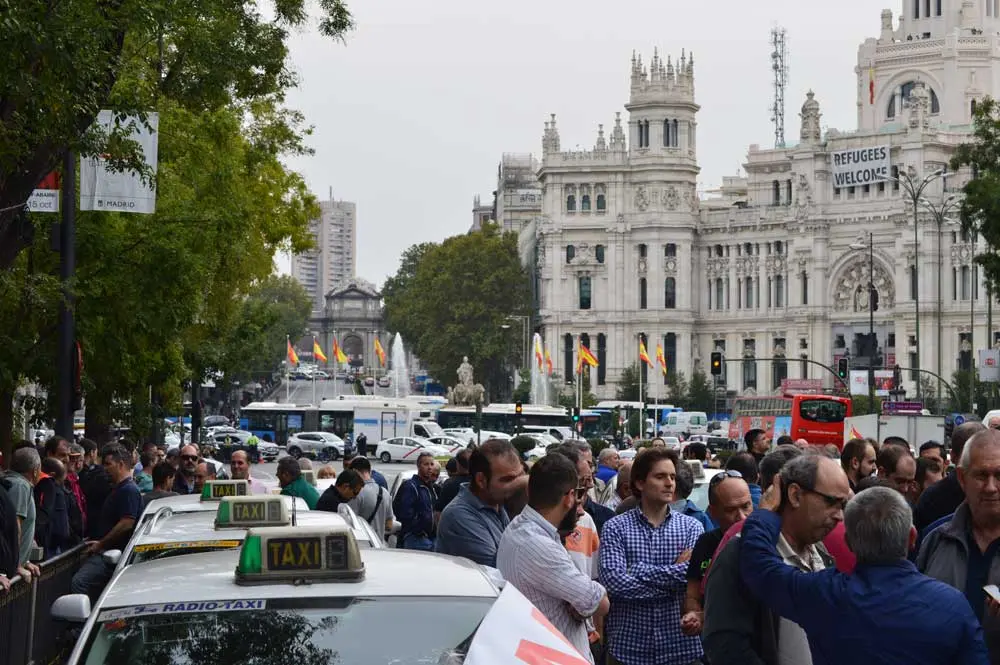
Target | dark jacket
(9,545)
(738,630)
(52,531)
(96,487)
(940,499)
(599,513)
(414,508)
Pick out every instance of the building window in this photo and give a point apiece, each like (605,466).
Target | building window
(585,378)
(779,248)
(568,358)
(570,253)
(964,352)
(788,192)
(916,9)
(966,283)
(719,251)
(675,134)
(739,293)
(775,193)
(927,8)
(642,251)
(904,94)
(602,357)
(599,253)
(670,250)
(912,273)
(602,203)
(571,203)
(709,291)
(779,372)
(804,280)
(584,293)
(670,293)
(749,365)
(779,291)
(720,302)
(585,203)
(670,354)
(914,374)
(804,366)
(642,293)
(644,133)
(954,284)
(937,7)
(894,171)
(748,293)
(666,134)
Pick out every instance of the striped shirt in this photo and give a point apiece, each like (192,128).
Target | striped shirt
(646,588)
(531,558)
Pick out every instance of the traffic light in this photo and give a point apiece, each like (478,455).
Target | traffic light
(716,363)
(517,408)
(576,414)
(842,368)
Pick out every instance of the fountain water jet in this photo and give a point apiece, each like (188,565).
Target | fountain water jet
(539,393)
(400,373)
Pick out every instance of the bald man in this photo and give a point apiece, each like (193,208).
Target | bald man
(239,467)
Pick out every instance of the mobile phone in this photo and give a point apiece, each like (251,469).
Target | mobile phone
(993,591)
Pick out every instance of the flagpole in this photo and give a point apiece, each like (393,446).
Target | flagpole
(642,410)
(288,362)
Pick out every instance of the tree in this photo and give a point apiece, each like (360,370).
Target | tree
(451,300)
(960,382)
(980,207)
(66,61)
(701,394)
(568,399)
(677,389)
(628,385)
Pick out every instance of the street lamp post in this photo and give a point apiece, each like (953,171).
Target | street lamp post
(940,215)
(914,190)
(872,351)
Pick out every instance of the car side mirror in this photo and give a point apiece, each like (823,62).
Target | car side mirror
(112,557)
(74,607)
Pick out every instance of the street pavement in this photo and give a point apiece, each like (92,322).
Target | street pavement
(266,470)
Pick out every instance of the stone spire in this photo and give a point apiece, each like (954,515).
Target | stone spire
(550,138)
(810,131)
(601,145)
(618,134)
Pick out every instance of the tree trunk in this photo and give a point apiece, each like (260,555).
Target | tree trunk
(6,424)
(97,425)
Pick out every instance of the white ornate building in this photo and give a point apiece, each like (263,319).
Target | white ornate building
(775,265)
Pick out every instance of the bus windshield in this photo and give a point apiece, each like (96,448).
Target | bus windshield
(823,410)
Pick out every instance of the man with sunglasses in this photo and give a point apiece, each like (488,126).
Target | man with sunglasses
(531,557)
(187,471)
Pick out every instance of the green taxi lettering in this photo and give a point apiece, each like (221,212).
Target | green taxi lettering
(219,491)
(248,512)
(294,553)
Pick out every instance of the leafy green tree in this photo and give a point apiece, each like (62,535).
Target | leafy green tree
(701,394)
(453,299)
(567,399)
(523,391)
(677,389)
(960,399)
(628,385)
(980,207)
(66,61)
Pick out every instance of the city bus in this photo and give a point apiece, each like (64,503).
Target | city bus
(819,419)
(378,418)
(501,417)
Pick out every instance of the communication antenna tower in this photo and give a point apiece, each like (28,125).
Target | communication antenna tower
(779,65)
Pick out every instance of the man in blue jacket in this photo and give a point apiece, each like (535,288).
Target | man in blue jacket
(886,610)
(414,507)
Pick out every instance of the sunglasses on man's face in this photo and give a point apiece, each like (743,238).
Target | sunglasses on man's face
(579,493)
(189,457)
(719,477)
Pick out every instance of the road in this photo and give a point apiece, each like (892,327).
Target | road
(301,392)
(266,471)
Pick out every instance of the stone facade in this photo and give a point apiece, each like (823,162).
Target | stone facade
(775,264)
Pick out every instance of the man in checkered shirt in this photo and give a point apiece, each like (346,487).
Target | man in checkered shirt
(644,557)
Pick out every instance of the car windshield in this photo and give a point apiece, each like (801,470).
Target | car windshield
(150,551)
(307,631)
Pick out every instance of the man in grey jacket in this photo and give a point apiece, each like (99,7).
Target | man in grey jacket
(963,553)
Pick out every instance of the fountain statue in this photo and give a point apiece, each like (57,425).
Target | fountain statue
(539,393)
(400,373)
(466,393)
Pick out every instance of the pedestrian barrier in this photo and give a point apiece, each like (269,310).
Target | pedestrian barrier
(28,634)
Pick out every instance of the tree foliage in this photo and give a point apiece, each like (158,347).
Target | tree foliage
(451,300)
(628,385)
(980,208)
(65,61)
(701,394)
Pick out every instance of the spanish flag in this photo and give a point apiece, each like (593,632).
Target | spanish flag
(548,363)
(380,352)
(538,352)
(338,353)
(855,434)
(318,352)
(643,356)
(871,83)
(293,357)
(584,356)
(660,359)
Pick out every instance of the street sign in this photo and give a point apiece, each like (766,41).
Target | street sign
(959,420)
(902,407)
(989,365)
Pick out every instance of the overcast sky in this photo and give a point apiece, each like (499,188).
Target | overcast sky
(413,113)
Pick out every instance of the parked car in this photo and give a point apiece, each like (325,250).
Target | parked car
(407,449)
(315,445)
(384,382)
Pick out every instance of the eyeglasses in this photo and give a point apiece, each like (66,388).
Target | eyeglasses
(579,493)
(719,477)
(831,501)
(189,457)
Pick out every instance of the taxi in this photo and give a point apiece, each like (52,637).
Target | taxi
(172,535)
(206,502)
(307,595)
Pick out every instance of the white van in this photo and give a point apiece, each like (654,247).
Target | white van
(686,423)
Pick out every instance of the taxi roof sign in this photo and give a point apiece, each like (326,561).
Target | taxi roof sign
(310,476)
(215,490)
(297,554)
(241,512)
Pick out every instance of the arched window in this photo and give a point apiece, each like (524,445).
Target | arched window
(670,250)
(568,348)
(670,293)
(779,291)
(719,252)
(642,251)
(720,293)
(804,280)
(570,253)
(599,253)
(602,203)
(642,293)
(674,136)
(585,203)
(571,203)
(748,293)
(775,193)
(584,292)
(904,94)
(666,134)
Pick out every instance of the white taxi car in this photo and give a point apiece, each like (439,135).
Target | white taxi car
(169,534)
(201,503)
(290,594)
(407,449)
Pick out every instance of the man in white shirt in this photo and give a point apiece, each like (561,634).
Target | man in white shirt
(373,504)
(239,467)
(531,557)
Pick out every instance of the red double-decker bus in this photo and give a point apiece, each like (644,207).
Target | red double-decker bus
(819,419)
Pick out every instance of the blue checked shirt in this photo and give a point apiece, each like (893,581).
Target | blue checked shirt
(647,588)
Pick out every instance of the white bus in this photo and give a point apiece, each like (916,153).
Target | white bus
(502,418)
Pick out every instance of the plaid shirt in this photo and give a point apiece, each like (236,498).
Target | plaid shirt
(646,588)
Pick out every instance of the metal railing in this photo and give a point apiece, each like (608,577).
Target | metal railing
(28,633)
